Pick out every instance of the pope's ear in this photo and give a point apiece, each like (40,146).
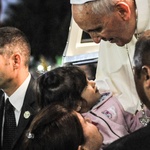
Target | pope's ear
(123,10)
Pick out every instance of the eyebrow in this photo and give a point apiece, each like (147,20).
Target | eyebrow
(94,30)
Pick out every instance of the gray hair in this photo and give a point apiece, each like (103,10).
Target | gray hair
(104,6)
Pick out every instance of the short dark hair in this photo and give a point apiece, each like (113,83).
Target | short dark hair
(12,37)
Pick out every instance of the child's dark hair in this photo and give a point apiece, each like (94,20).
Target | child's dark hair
(63,84)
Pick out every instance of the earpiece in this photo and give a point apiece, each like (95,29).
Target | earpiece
(147,77)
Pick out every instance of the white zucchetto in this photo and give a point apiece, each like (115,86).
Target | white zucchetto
(79,1)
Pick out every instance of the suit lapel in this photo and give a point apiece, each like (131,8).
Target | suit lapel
(1,111)
(27,112)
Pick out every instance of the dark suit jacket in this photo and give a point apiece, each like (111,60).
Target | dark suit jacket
(138,140)
(30,106)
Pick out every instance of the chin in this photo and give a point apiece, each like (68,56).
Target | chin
(120,44)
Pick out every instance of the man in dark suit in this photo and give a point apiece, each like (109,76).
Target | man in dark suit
(140,139)
(16,82)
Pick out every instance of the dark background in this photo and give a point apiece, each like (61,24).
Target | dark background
(45,23)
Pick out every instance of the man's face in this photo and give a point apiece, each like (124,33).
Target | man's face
(108,27)
(6,71)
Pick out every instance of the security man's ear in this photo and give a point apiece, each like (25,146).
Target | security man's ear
(16,57)
(80,147)
(146,72)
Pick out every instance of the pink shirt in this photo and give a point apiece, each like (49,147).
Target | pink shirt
(112,120)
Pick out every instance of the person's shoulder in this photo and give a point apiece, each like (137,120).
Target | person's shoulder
(138,140)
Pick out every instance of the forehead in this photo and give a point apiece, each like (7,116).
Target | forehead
(85,18)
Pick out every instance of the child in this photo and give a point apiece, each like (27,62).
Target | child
(69,85)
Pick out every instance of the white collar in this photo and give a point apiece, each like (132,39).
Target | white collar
(17,98)
(143,12)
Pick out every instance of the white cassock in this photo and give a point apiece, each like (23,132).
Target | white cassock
(114,70)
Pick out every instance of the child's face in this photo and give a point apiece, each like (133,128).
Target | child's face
(90,94)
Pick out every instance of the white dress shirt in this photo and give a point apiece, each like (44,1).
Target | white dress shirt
(17,98)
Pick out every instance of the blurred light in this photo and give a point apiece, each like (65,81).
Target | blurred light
(49,68)
(5,4)
(40,68)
